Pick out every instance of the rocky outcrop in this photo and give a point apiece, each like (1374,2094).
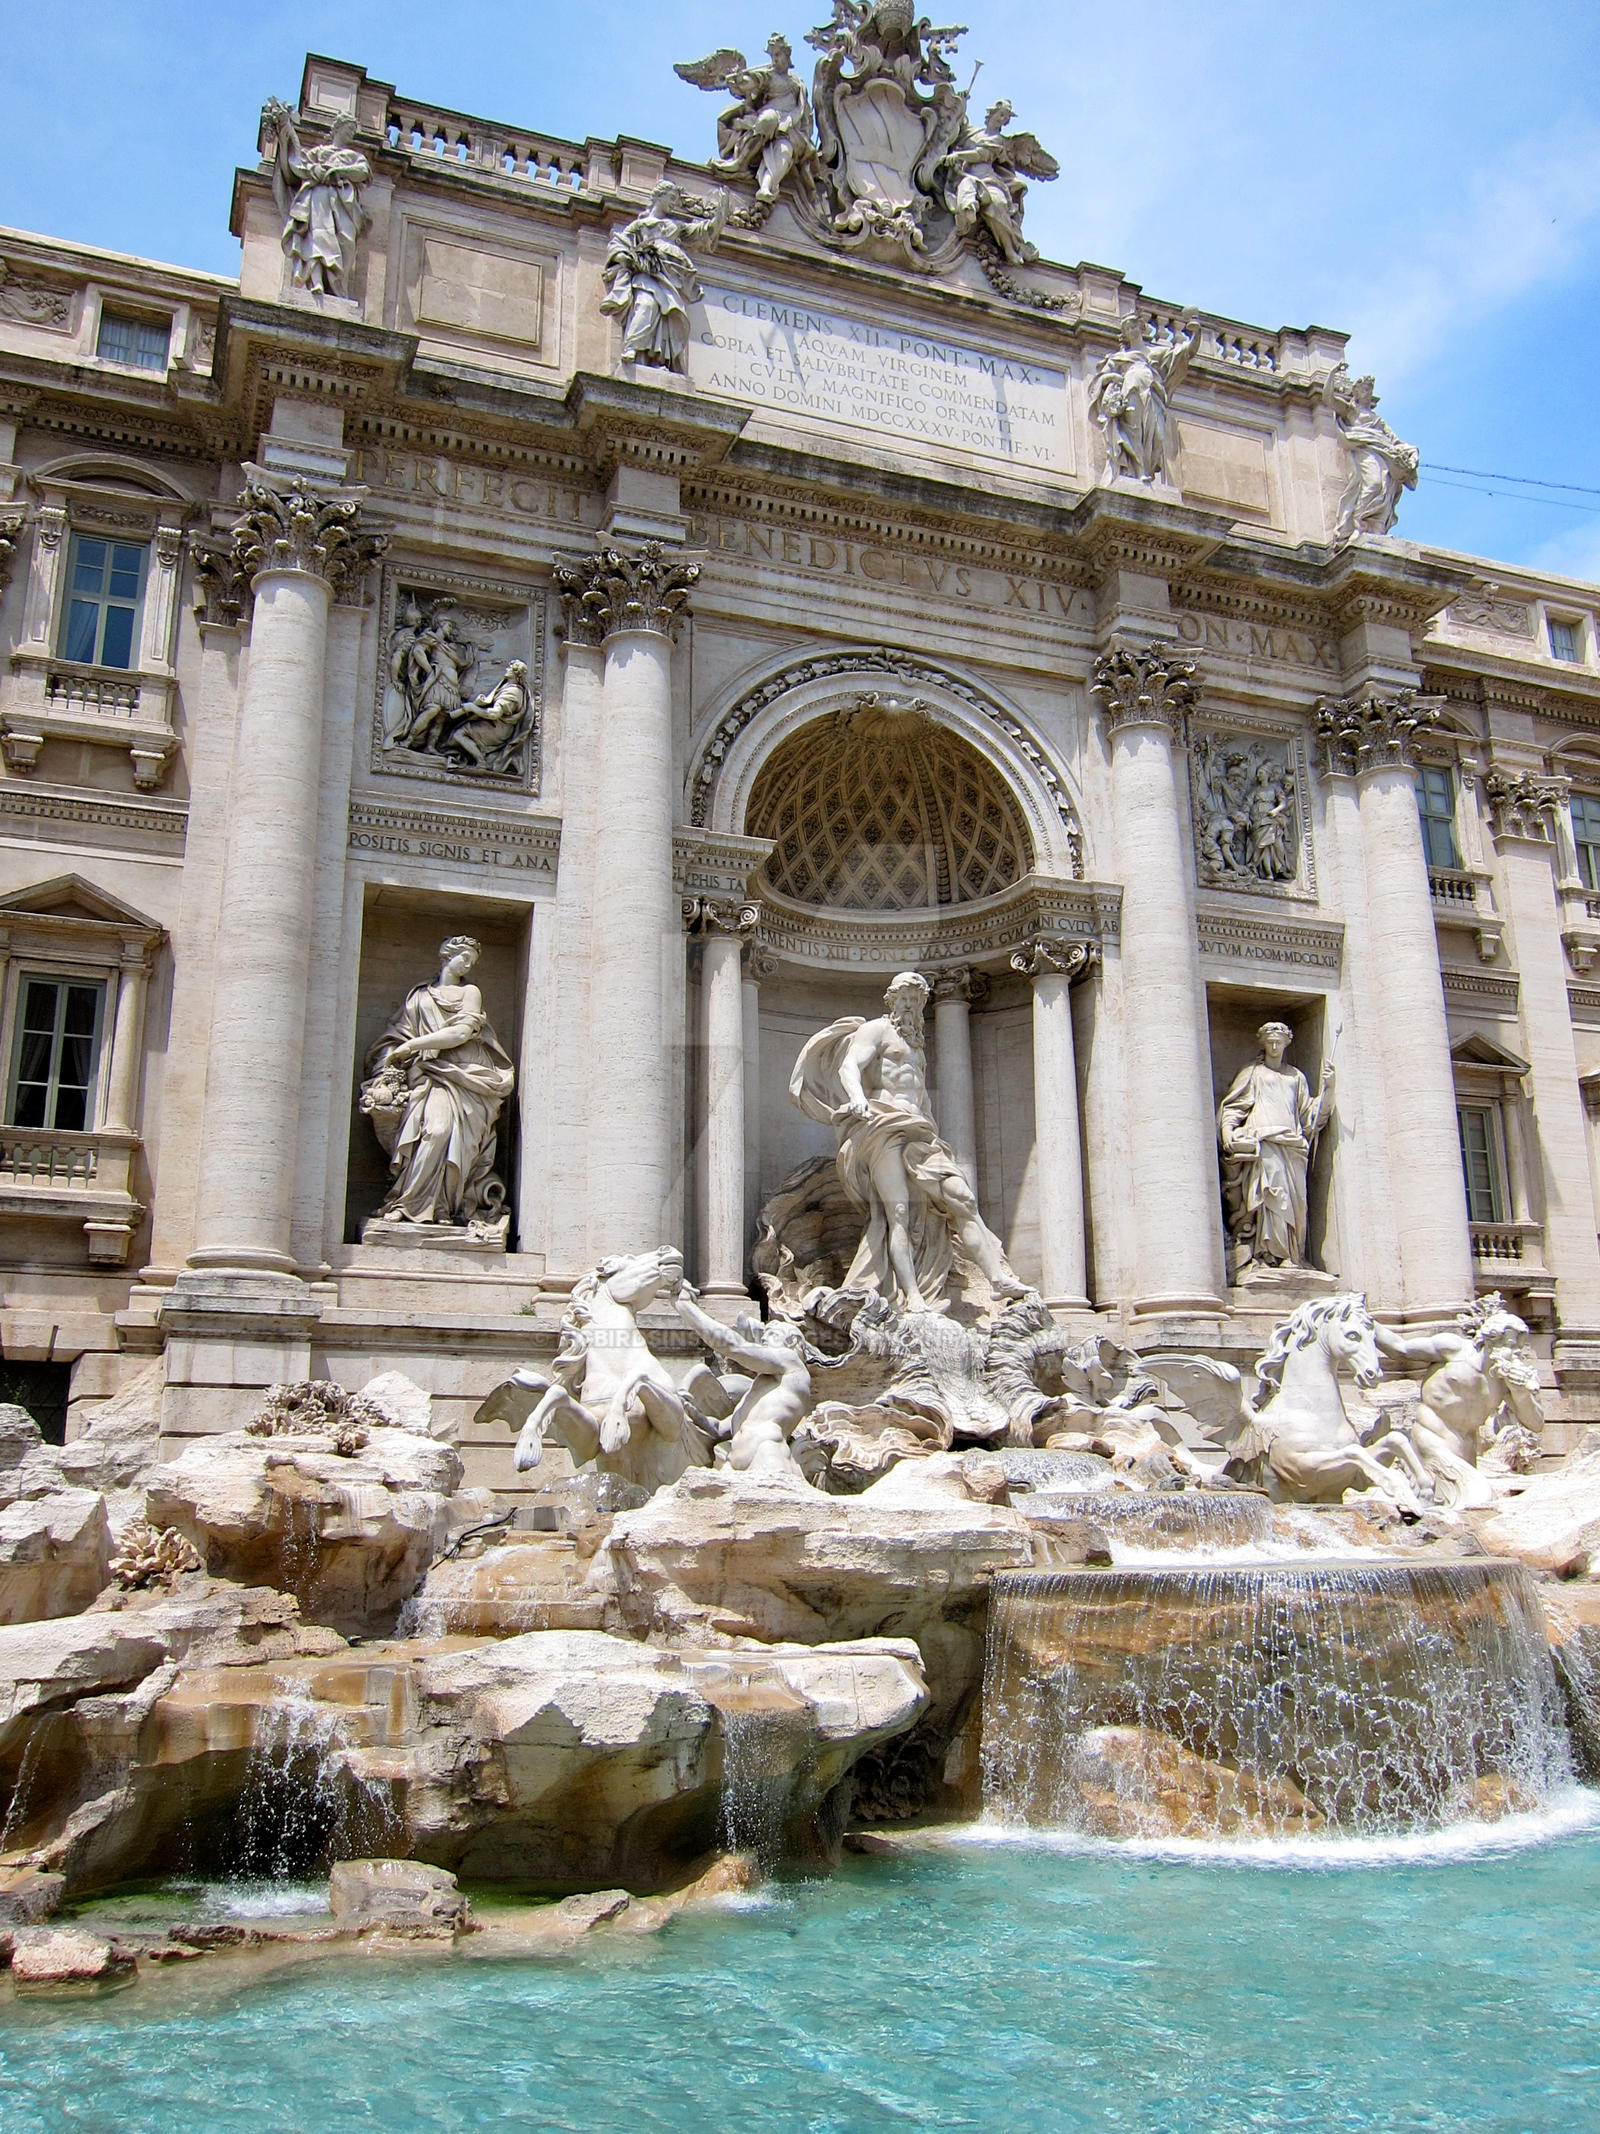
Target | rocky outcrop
(1135,1782)
(62,1956)
(1554,1523)
(55,1555)
(529,1582)
(562,1761)
(396,1894)
(350,1536)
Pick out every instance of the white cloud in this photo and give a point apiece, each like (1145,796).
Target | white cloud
(1573,553)
(1518,226)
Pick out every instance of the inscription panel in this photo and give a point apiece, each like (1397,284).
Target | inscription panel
(841,369)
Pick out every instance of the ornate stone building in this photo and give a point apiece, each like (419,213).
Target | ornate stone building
(712,591)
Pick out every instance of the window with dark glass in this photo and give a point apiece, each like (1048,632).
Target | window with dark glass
(1586,837)
(1478,1164)
(139,342)
(1564,641)
(1436,804)
(104,593)
(58,1046)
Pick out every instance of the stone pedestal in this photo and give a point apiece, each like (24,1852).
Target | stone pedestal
(1145,695)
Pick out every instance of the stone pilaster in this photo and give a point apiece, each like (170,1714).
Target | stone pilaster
(629,605)
(1054,966)
(298,549)
(1145,694)
(1523,807)
(954,993)
(723,931)
(1372,739)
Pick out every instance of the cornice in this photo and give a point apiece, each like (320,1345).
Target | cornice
(1248,937)
(54,804)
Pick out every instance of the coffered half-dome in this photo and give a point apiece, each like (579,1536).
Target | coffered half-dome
(877,807)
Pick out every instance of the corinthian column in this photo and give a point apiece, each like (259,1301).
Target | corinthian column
(1373,739)
(629,605)
(297,549)
(723,930)
(1522,812)
(1057,1139)
(1145,694)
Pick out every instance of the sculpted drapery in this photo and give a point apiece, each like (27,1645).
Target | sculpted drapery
(437,1079)
(1267,1126)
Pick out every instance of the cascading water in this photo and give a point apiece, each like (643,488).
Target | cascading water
(1271,1699)
(305,1799)
(1179,1518)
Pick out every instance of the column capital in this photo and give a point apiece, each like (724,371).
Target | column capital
(1048,955)
(704,917)
(1145,685)
(1372,733)
(1522,805)
(612,591)
(964,984)
(223,581)
(298,528)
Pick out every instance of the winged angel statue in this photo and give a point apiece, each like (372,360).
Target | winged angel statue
(769,130)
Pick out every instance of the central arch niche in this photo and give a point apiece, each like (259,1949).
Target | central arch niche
(878,807)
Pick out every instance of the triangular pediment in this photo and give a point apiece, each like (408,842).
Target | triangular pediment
(69,896)
(1476,1050)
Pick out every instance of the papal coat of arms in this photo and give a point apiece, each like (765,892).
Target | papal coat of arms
(883,155)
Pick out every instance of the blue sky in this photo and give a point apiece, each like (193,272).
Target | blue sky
(1424,174)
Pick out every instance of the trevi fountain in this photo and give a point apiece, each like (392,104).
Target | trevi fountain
(801,1291)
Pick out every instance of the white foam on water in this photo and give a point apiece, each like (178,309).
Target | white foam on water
(1569,1813)
(265,1900)
(1126,1555)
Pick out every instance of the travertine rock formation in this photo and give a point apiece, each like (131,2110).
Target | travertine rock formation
(54,1555)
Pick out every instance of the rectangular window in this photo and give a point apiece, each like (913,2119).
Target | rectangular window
(1436,804)
(57,1051)
(105,593)
(139,342)
(1478,1163)
(1586,837)
(1564,641)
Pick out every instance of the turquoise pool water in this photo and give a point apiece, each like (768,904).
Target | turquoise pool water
(982,1984)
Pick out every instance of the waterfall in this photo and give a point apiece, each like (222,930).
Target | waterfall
(1271,1699)
(305,1800)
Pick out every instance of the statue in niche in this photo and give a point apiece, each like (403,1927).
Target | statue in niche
(769,130)
(1130,397)
(650,276)
(1244,813)
(431,712)
(986,182)
(868,1081)
(1267,1126)
(436,1081)
(1381,466)
(318,195)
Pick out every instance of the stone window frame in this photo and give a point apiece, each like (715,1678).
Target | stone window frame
(1507,1250)
(57,974)
(1464,896)
(1247,724)
(48,697)
(84,1176)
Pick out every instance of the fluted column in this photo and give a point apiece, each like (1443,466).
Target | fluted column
(1373,739)
(629,605)
(1523,810)
(1145,694)
(297,548)
(953,995)
(1057,1135)
(722,929)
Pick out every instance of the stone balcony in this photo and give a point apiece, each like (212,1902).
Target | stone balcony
(1463,899)
(1510,1257)
(63,700)
(73,1178)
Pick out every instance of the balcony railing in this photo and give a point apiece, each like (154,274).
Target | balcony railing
(1453,885)
(53,1161)
(479,144)
(90,689)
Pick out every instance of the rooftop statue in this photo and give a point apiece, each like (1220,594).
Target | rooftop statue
(1478,1369)
(651,278)
(436,1081)
(318,194)
(1381,466)
(1130,397)
(868,1081)
(985,179)
(770,129)
(1267,1127)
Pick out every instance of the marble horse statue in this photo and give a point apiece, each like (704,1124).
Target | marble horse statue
(1296,1439)
(607,1398)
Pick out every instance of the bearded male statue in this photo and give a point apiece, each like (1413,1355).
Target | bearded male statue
(868,1081)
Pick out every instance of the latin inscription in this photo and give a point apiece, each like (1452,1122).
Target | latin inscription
(1253,640)
(785,356)
(431,480)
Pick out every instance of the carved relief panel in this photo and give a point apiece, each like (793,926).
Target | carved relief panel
(1250,795)
(460,686)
